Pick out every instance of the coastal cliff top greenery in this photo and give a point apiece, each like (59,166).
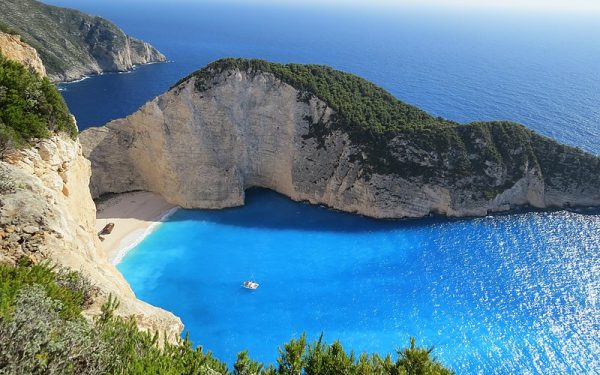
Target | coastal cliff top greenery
(7,29)
(394,137)
(43,332)
(46,28)
(30,106)
(69,42)
(358,101)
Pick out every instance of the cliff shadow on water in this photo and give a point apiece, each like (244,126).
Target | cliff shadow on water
(268,209)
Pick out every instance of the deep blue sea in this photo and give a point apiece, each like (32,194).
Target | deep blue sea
(542,70)
(508,295)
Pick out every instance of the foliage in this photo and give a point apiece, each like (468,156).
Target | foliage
(7,29)
(59,284)
(69,42)
(42,332)
(416,361)
(291,359)
(137,352)
(36,340)
(246,366)
(358,102)
(392,137)
(318,358)
(30,106)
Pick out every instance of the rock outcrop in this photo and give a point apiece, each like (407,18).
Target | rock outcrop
(226,129)
(73,44)
(47,212)
(13,48)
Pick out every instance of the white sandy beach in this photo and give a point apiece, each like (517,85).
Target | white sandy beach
(135,215)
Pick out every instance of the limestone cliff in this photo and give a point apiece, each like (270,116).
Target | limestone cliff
(47,212)
(73,44)
(13,48)
(239,124)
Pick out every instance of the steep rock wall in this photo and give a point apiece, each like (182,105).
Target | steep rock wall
(47,212)
(13,48)
(73,44)
(203,148)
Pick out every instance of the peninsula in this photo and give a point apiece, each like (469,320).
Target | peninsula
(73,44)
(320,135)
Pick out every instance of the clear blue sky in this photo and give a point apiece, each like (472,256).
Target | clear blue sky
(576,6)
(548,5)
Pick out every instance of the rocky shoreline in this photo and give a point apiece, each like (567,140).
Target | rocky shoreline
(73,44)
(47,212)
(202,148)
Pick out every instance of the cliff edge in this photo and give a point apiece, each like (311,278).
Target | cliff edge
(46,209)
(47,212)
(73,44)
(13,48)
(319,135)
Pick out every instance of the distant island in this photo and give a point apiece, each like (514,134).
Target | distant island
(73,44)
(327,137)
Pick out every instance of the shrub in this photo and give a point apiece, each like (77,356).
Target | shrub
(34,339)
(359,103)
(246,366)
(42,332)
(13,279)
(7,29)
(30,107)
(321,359)
(386,133)
(138,352)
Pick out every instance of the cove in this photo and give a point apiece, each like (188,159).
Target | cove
(508,294)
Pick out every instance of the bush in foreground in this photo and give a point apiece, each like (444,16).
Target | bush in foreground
(42,331)
(30,106)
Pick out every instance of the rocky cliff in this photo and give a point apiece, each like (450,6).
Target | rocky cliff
(239,124)
(47,212)
(13,48)
(73,44)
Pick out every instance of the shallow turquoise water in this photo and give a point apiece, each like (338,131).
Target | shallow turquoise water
(512,294)
(508,294)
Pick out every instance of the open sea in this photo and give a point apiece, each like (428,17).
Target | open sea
(512,294)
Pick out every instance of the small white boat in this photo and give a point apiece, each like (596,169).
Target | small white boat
(253,285)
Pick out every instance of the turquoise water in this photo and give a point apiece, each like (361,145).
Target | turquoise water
(494,295)
(511,294)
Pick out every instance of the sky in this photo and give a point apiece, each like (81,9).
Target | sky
(525,5)
(572,6)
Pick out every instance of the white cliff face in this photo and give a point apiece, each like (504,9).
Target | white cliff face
(13,48)
(47,212)
(202,149)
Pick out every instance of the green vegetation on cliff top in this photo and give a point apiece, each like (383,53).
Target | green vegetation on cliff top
(395,137)
(30,106)
(43,332)
(358,101)
(69,42)
(48,29)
